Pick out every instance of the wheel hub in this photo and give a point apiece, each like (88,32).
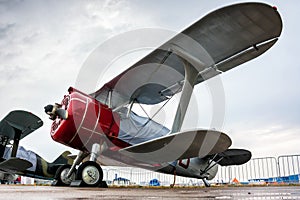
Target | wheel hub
(64,178)
(90,175)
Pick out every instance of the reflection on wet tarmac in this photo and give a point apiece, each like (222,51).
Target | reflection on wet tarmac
(67,193)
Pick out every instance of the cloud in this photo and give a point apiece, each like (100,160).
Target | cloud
(8,74)
(264,138)
(42,47)
(4,29)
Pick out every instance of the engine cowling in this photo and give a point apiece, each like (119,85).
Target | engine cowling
(88,122)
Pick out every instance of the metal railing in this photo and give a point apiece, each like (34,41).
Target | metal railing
(284,169)
(289,168)
(257,168)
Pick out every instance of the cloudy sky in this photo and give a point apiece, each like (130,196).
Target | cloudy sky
(43,45)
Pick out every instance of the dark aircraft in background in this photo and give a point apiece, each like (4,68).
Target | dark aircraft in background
(15,159)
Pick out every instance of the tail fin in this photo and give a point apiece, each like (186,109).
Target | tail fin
(48,170)
(64,158)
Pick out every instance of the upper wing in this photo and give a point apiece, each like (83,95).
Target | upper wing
(20,120)
(221,40)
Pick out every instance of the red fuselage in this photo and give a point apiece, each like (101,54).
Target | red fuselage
(89,122)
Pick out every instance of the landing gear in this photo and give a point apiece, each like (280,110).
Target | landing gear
(61,178)
(210,170)
(90,173)
(206,183)
(174,180)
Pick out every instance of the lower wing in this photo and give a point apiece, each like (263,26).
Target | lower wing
(182,145)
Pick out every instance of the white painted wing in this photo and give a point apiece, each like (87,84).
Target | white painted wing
(182,145)
(221,40)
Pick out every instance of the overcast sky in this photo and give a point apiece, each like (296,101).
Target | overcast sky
(43,45)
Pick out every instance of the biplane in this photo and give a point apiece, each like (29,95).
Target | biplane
(15,159)
(105,129)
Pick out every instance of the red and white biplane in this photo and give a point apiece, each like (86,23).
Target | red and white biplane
(105,130)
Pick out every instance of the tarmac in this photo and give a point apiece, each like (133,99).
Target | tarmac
(62,193)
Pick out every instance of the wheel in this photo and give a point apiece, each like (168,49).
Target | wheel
(90,173)
(61,176)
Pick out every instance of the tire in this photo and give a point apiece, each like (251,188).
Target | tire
(61,176)
(90,173)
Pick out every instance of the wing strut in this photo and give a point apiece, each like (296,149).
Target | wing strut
(16,142)
(192,67)
(110,98)
(211,164)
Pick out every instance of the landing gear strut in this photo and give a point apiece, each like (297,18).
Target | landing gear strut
(204,173)
(89,173)
(206,183)
(174,180)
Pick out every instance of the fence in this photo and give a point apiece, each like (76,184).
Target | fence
(258,170)
(289,168)
(142,177)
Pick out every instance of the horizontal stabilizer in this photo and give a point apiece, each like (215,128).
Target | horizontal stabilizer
(19,120)
(182,145)
(233,157)
(15,165)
